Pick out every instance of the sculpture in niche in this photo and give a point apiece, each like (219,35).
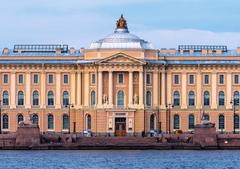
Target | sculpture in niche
(136,99)
(105,99)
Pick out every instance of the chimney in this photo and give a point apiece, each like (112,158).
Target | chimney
(163,51)
(238,50)
(204,51)
(72,50)
(58,51)
(6,51)
(218,51)
(172,51)
(191,51)
(82,50)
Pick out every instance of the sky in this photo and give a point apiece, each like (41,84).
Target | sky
(165,23)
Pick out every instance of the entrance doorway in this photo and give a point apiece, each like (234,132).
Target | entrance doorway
(120,126)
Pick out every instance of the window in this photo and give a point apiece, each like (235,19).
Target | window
(65,98)
(89,121)
(148,98)
(148,79)
(191,98)
(50,79)
(5,98)
(50,98)
(5,121)
(206,79)
(120,98)
(221,122)
(176,122)
(221,98)
(236,98)
(35,98)
(19,118)
(20,79)
(35,78)
(65,122)
(152,122)
(191,124)
(236,79)
(5,78)
(191,79)
(93,79)
(50,121)
(221,79)
(93,98)
(176,79)
(206,99)
(236,121)
(65,79)
(20,98)
(35,119)
(176,98)
(120,78)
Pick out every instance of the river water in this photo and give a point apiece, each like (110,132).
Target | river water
(172,159)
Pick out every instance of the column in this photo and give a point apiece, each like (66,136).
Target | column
(130,89)
(169,88)
(100,88)
(214,90)
(79,89)
(86,89)
(155,88)
(141,88)
(58,90)
(229,90)
(163,89)
(13,91)
(110,88)
(73,88)
(43,89)
(28,90)
(184,90)
(199,90)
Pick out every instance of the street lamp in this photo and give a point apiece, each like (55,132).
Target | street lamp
(0,117)
(233,102)
(169,106)
(68,105)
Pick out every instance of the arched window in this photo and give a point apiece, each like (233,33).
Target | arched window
(176,122)
(176,98)
(221,122)
(148,98)
(20,98)
(50,98)
(236,98)
(206,100)
(236,121)
(120,98)
(65,98)
(191,122)
(152,122)
(50,121)
(35,119)
(19,118)
(191,98)
(221,98)
(35,98)
(5,98)
(89,122)
(65,121)
(5,121)
(93,98)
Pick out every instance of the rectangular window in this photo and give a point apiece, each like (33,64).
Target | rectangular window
(176,79)
(148,79)
(35,78)
(221,79)
(5,78)
(93,79)
(120,78)
(191,79)
(65,79)
(50,79)
(20,79)
(236,79)
(206,79)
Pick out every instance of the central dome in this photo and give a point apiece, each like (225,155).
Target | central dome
(121,39)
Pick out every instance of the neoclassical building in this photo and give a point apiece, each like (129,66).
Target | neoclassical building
(120,85)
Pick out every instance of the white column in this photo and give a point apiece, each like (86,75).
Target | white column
(163,90)
(184,90)
(58,90)
(130,89)
(214,90)
(199,90)
(100,89)
(86,89)
(169,88)
(229,90)
(13,91)
(73,88)
(110,87)
(141,89)
(28,90)
(155,88)
(43,89)
(79,89)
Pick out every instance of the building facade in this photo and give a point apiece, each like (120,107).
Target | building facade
(121,85)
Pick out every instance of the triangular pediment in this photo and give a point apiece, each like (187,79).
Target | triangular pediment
(121,58)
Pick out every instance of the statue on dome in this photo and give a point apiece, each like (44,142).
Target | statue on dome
(121,23)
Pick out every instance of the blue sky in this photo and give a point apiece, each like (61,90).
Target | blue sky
(165,23)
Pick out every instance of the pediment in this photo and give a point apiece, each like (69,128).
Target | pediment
(121,58)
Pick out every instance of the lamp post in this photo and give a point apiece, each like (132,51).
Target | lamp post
(233,102)
(0,117)
(169,106)
(68,105)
